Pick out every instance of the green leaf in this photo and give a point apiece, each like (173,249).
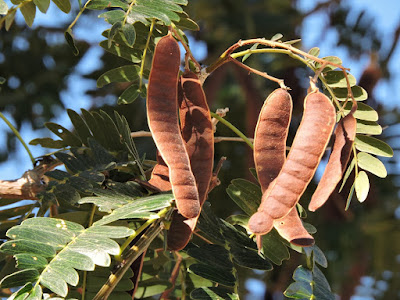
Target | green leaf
(80,126)
(273,248)
(43,5)
(113,16)
(103,4)
(253,48)
(302,274)
(70,40)
(245,194)
(28,10)
(333,59)
(122,51)
(317,255)
(19,278)
(336,79)
(129,95)
(359,93)
(249,258)
(129,33)
(371,164)
(368,127)
(163,10)
(372,145)
(314,52)
(363,112)
(348,172)
(140,208)
(186,23)
(361,185)
(48,143)
(213,255)
(81,249)
(27,260)
(322,290)
(3,7)
(277,37)
(127,73)
(299,290)
(213,273)
(68,137)
(213,293)
(151,287)
(63,5)
(9,19)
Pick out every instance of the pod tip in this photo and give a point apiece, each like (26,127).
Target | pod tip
(261,223)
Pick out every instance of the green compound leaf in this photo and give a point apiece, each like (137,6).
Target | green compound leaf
(361,185)
(372,145)
(164,10)
(142,208)
(67,245)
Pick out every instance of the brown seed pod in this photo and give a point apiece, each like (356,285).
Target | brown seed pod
(197,132)
(160,175)
(162,116)
(344,134)
(305,154)
(270,154)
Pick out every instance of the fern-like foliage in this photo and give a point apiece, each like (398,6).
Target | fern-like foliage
(49,251)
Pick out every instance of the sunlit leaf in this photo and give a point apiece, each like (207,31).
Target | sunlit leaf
(333,59)
(363,112)
(28,10)
(103,4)
(3,7)
(371,164)
(372,145)
(361,185)
(368,127)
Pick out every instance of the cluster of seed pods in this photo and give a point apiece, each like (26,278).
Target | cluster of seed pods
(284,181)
(186,151)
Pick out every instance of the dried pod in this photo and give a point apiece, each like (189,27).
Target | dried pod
(344,134)
(305,154)
(198,135)
(162,116)
(270,154)
(160,175)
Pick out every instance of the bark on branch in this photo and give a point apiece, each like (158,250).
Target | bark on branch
(31,182)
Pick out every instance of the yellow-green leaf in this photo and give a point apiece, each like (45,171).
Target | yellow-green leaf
(43,5)
(63,5)
(372,145)
(3,7)
(368,127)
(362,186)
(371,164)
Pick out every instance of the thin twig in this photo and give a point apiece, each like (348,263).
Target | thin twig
(263,74)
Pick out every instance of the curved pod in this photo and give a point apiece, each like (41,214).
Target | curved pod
(270,154)
(344,134)
(305,154)
(197,132)
(162,118)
